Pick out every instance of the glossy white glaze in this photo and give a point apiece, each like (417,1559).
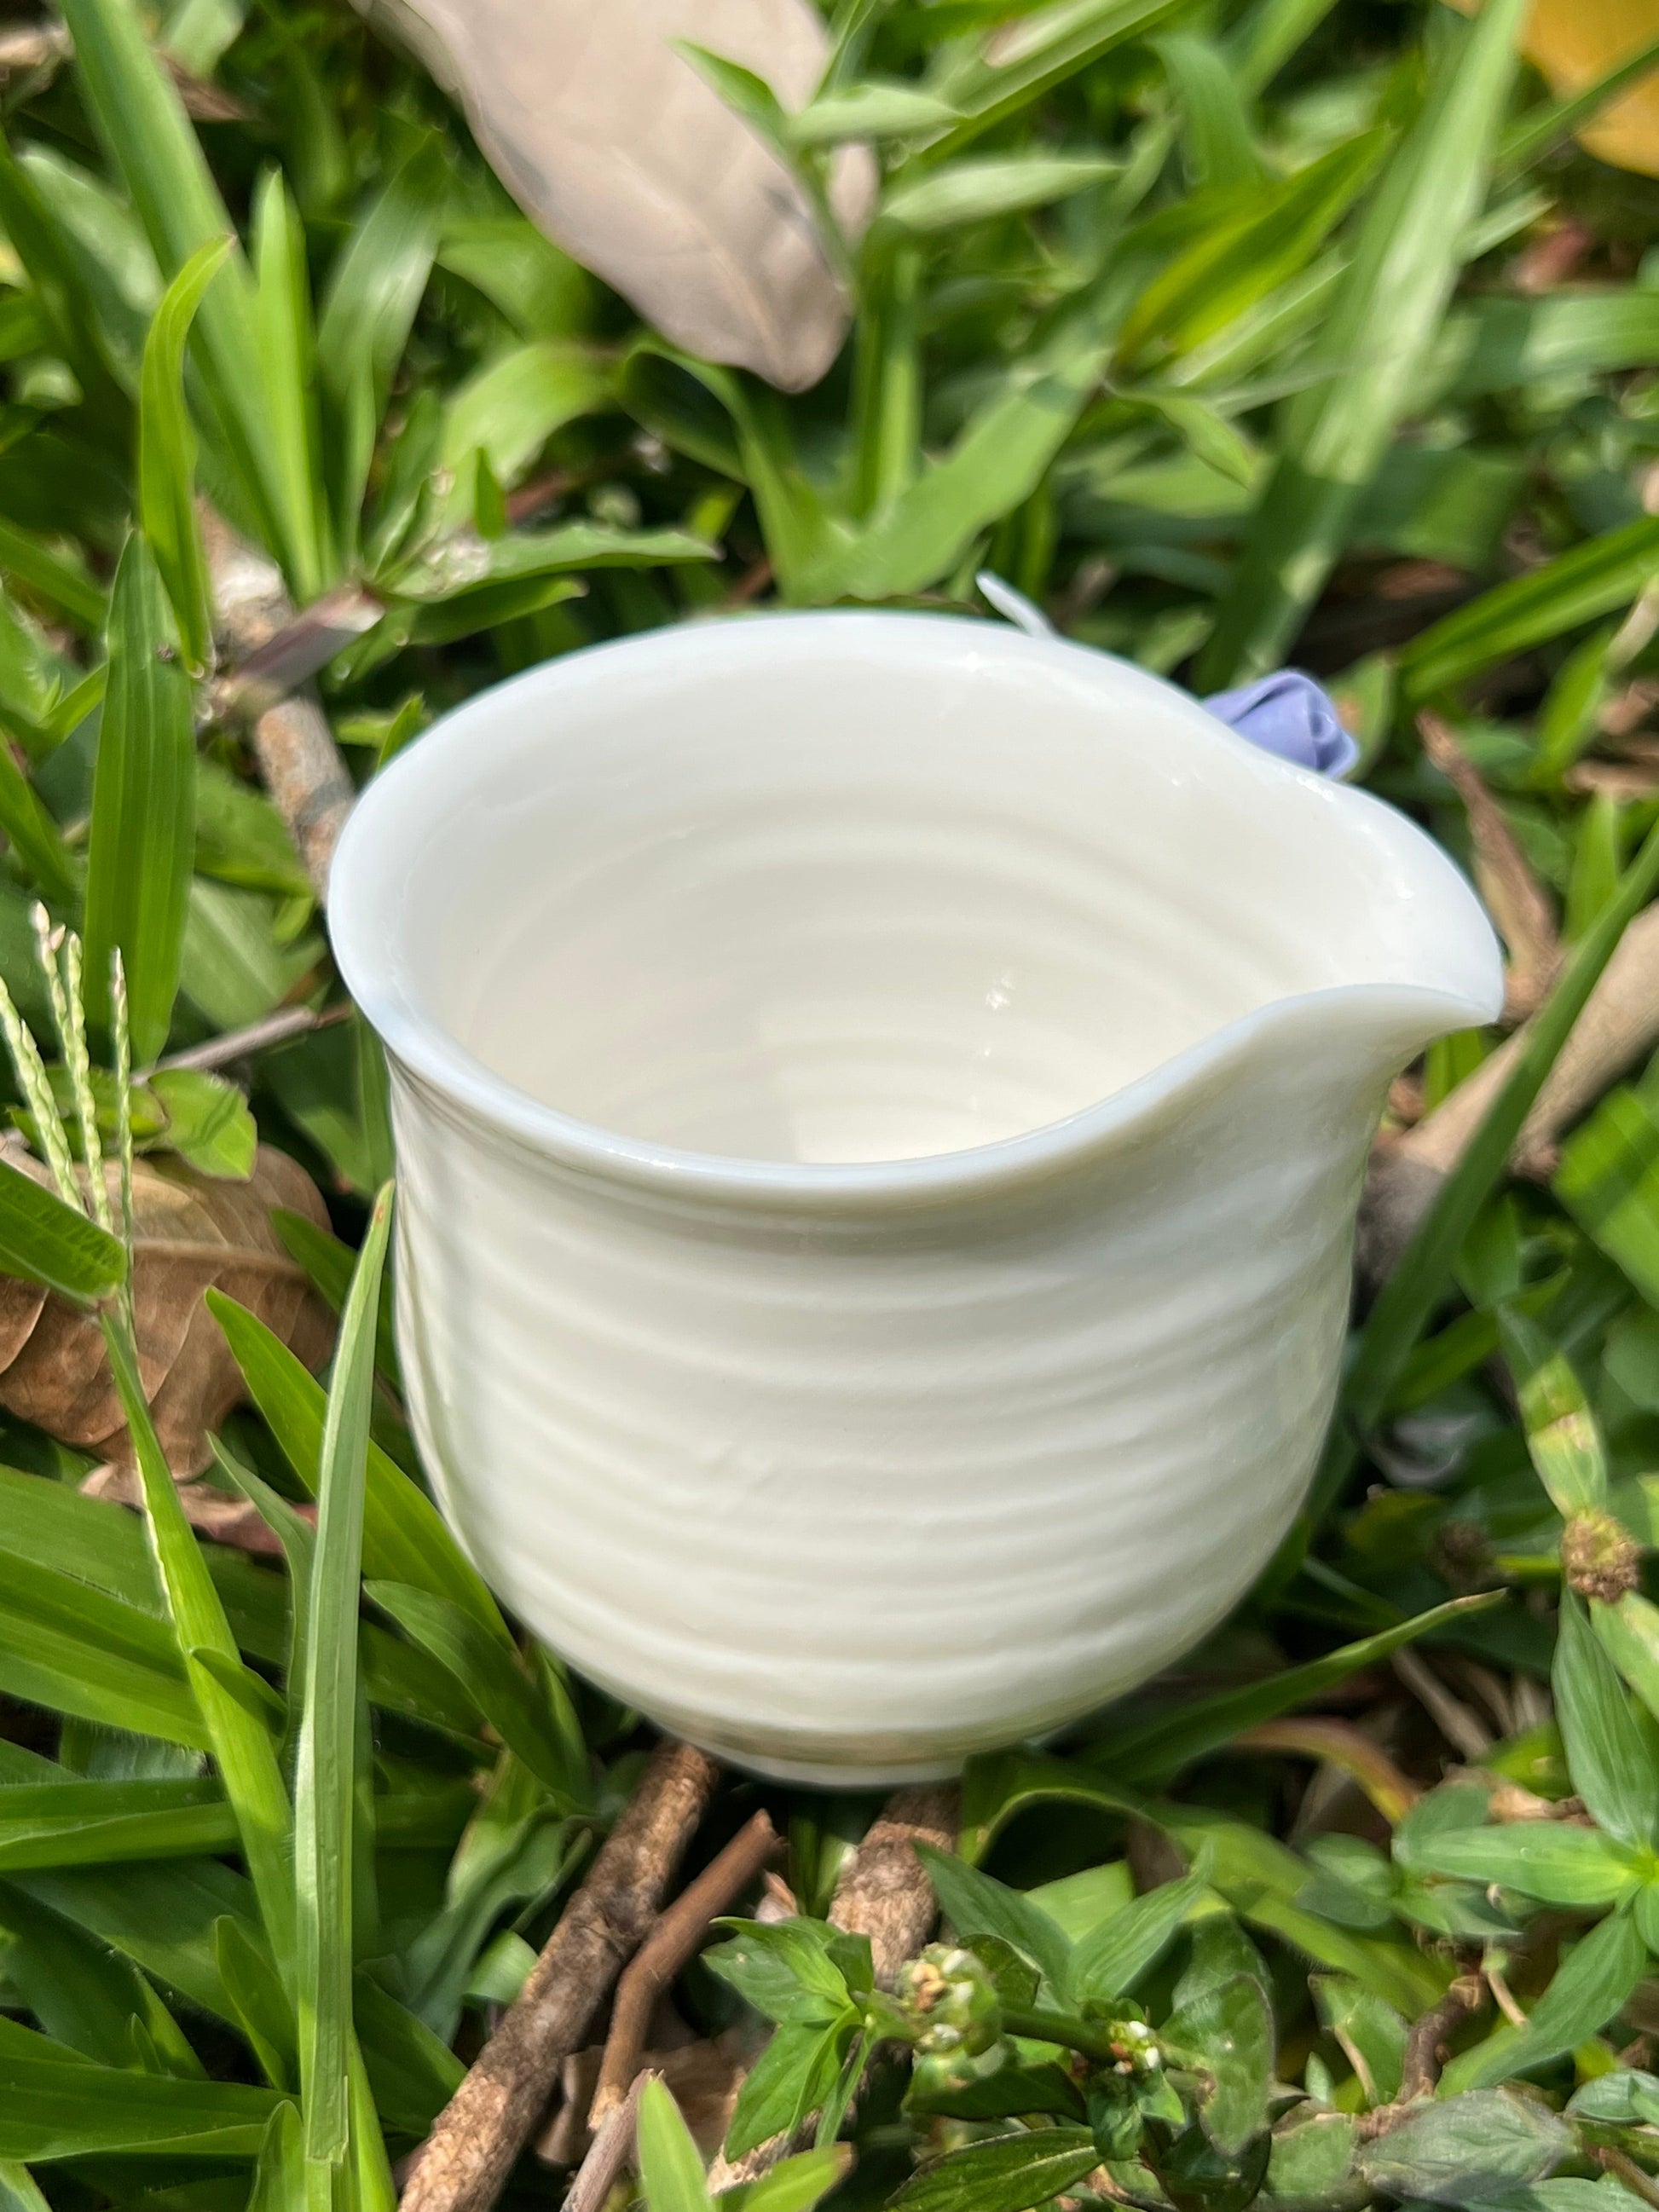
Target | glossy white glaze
(881,1102)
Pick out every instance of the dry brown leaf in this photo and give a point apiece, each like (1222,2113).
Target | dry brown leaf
(1517,900)
(191,1233)
(612,143)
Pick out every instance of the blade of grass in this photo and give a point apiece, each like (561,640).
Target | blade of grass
(44,1241)
(1380,328)
(325,1775)
(1596,578)
(140,119)
(1409,1297)
(1534,136)
(404,1538)
(142,849)
(288,353)
(167,454)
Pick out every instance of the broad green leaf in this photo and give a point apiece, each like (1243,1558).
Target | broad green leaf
(1215,125)
(1080,1902)
(262,2011)
(33,834)
(785,1971)
(795,2074)
(1230,2027)
(992,77)
(1271,234)
(1371,2033)
(1541,1858)
(47,1242)
(325,1771)
(983,187)
(976,1906)
(1593,1984)
(279,2178)
(512,405)
(1112,1957)
(287,356)
(1466,2148)
(1006,2175)
(404,1541)
(68,1646)
(74,1823)
(55,2105)
(1610,1754)
(374,291)
(142,844)
(496,1683)
(86,1995)
(868,110)
(1629,1633)
(208,1123)
(671,2165)
(1372,344)
(1500,344)
(139,115)
(1608,1181)
(237,1732)
(1596,578)
(166,454)
(1562,1435)
(794,2184)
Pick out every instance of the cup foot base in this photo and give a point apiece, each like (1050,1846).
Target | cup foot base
(830,1774)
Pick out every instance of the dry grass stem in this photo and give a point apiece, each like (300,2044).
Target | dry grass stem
(299,762)
(486,2123)
(671,1944)
(1519,903)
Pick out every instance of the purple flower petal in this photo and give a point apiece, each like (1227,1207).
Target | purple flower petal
(1288,714)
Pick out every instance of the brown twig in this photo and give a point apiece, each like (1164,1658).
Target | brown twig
(608,2153)
(1519,904)
(286,1024)
(1424,2053)
(1624,2167)
(299,760)
(1618,1026)
(671,1944)
(884,1893)
(485,2124)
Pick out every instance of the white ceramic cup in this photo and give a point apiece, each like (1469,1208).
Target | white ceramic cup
(881,1102)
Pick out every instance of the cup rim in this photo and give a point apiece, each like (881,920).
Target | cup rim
(425,1052)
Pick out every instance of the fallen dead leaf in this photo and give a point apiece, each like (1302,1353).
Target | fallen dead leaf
(611,141)
(191,1233)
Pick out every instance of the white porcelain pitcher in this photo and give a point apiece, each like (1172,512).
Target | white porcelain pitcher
(881,1102)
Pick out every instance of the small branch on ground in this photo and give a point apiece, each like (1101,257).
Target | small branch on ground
(299,762)
(671,1944)
(884,1893)
(279,1027)
(1518,902)
(480,2132)
(1624,2168)
(1425,2052)
(1618,1026)
(610,2149)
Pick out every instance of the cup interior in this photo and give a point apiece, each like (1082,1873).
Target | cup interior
(856,888)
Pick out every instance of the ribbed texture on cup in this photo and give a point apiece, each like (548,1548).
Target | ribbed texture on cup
(851,1498)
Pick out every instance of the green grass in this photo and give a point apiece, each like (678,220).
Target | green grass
(1227,332)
